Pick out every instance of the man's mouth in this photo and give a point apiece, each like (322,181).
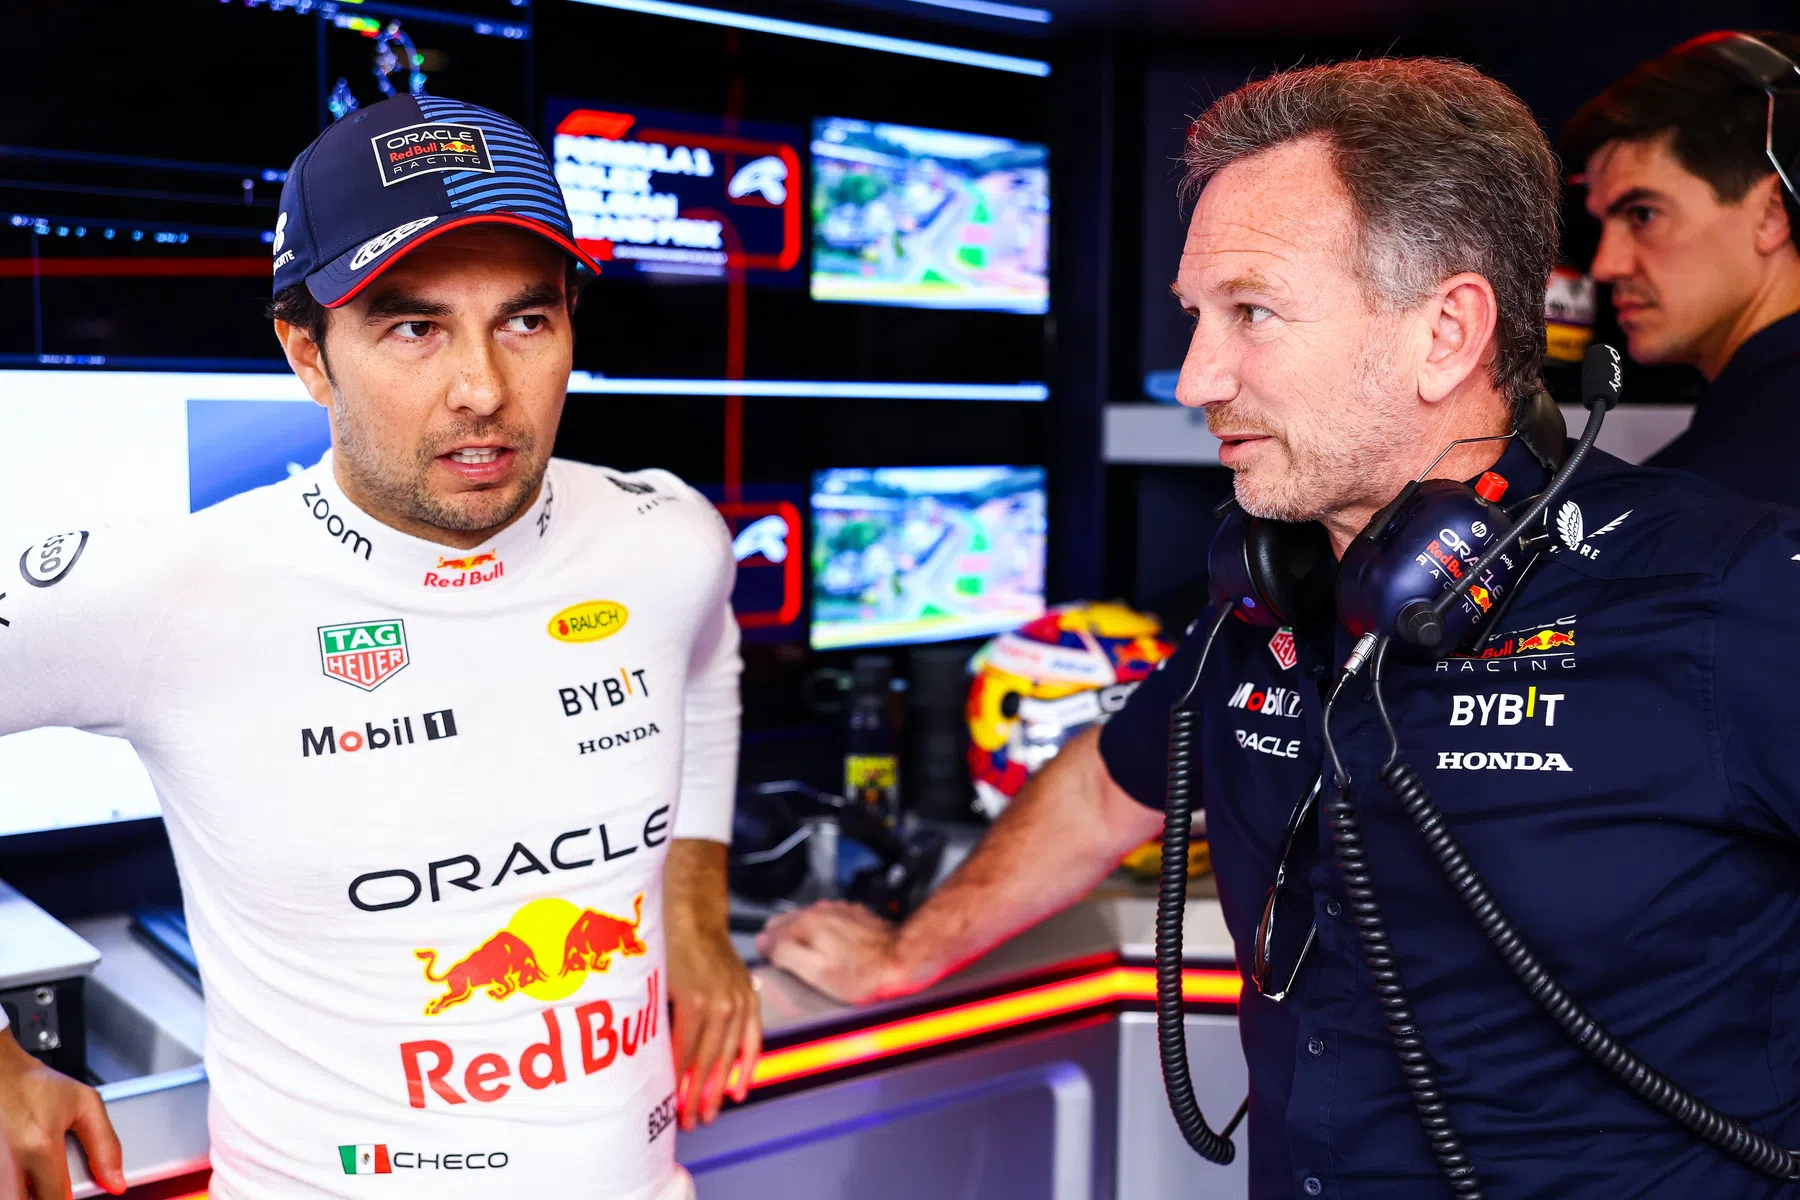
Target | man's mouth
(478,464)
(1233,447)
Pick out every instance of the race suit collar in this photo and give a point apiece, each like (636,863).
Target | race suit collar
(430,566)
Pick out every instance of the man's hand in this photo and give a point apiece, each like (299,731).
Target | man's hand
(38,1107)
(1067,829)
(718,1015)
(842,949)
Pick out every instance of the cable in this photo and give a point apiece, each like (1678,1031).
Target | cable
(1171,907)
(1359,886)
(1637,1076)
(1532,512)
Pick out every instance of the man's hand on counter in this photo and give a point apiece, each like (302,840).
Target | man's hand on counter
(38,1107)
(718,1017)
(1066,830)
(842,949)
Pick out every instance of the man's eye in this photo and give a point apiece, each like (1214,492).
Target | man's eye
(412,331)
(1254,314)
(525,323)
(1640,215)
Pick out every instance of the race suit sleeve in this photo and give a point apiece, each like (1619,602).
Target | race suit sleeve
(713,710)
(1756,658)
(74,629)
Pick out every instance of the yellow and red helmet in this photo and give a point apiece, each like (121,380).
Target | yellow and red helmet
(1037,687)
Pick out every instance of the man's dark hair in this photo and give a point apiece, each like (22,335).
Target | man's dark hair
(1446,168)
(1716,120)
(295,305)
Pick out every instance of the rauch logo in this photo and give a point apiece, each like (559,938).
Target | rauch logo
(589,621)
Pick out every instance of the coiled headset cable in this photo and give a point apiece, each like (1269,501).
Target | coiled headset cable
(1171,906)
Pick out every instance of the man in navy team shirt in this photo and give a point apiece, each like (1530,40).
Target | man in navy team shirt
(1365,268)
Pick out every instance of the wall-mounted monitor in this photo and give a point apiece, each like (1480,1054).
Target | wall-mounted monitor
(124,447)
(925,554)
(929,218)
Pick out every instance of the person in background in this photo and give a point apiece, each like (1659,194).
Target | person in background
(1698,245)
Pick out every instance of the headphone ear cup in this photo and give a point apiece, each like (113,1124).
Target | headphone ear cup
(1276,572)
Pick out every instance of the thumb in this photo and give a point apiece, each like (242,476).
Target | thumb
(95,1131)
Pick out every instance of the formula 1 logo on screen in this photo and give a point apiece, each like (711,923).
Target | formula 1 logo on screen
(678,195)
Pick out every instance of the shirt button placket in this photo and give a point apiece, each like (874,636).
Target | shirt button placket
(1315,1047)
(1311,1185)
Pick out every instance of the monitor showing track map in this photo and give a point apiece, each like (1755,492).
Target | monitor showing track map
(929,218)
(925,554)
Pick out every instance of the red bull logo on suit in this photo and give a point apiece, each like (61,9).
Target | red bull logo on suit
(513,959)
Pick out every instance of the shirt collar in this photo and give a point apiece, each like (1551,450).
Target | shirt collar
(1524,475)
(430,567)
(1777,340)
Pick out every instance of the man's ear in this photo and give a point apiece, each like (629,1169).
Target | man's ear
(1773,230)
(1459,325)
(307,358)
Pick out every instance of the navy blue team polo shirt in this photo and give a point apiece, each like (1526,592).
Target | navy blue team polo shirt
(1746,431)
(1623,767)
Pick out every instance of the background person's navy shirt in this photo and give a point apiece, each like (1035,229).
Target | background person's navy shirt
(1745,435)
(1624,771)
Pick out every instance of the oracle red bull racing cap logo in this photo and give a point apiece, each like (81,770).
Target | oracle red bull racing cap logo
(545,951)
(363,654)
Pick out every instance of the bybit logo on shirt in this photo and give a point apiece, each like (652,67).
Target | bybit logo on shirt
(437,726)
(1505,708)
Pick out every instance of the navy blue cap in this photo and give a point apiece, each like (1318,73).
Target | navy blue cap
(396,174)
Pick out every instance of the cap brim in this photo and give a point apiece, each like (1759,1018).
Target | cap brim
(338,281)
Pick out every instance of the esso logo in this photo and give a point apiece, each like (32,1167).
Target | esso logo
(47,562)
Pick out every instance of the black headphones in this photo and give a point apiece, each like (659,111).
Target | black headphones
(1413,552)
(1763,67)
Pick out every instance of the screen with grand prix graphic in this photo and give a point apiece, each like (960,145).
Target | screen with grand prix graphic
(678,196)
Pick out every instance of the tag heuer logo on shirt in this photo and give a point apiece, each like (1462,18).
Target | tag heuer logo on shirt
(363,654)
(1282,647)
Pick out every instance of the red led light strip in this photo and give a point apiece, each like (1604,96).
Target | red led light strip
(1095,990)
(115,268)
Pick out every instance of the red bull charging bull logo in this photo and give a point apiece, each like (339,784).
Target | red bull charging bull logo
(545,951)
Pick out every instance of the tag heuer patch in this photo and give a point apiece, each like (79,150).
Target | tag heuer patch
(1282,647)
(430,146)
(363,654)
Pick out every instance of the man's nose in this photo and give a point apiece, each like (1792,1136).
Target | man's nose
(1208,373)
(1614,259)
(480,386)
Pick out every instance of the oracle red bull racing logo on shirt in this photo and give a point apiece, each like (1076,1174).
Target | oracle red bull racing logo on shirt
(545,951)
(363,654)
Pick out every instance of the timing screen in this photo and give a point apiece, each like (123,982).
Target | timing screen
(925,554)
(929,218)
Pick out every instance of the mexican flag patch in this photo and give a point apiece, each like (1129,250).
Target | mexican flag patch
(365,1160)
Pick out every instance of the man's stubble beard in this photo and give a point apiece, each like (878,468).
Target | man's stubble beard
(1331,464)
(404,492)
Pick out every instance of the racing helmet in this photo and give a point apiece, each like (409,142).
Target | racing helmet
(1039,686)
